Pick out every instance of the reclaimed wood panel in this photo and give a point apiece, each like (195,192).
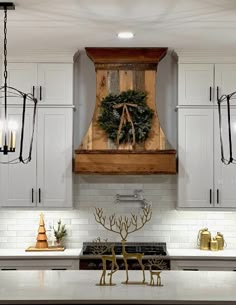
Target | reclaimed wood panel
(158,162)
(139,80)
(98,135)
(153,141)
(113,82)
(126,80)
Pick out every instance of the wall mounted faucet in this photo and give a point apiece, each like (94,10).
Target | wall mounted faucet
(137,196)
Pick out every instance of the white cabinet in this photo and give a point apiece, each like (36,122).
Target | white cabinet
(203,180)
(50,83)
(196,84)
(54,157)
(195,157)
(199,84)
(46,181)
(208,265)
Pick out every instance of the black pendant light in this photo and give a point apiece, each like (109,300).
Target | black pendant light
(8,139)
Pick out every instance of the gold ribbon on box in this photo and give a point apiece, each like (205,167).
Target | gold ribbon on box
(125,117)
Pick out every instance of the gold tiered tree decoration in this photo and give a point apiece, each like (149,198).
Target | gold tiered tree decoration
(124,226)
(42,237)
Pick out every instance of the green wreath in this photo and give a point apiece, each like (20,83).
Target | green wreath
(125,117)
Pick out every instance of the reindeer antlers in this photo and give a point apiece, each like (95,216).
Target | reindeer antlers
(123,225)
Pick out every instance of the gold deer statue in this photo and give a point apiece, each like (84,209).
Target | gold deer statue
(123,226)
(157,273)
(155,266)
(114,267)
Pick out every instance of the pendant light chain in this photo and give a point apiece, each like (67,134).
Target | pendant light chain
(5,74)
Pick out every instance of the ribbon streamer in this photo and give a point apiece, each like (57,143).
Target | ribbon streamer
(125,117)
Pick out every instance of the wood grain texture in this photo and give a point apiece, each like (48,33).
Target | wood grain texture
(153,141)
(126,66)
(126,80)
(99,138)
(125,162)
(113,82)
(126,55)
(139,80)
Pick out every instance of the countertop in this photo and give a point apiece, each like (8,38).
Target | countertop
(75,254)
(22,254)
(79,287)
(225,254)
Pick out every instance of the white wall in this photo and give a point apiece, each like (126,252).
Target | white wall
(18,229)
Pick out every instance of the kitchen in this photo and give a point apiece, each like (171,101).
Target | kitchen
(178,228)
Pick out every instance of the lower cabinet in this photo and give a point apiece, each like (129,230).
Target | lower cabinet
(207,265)
(38,264)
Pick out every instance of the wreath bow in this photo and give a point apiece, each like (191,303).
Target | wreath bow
(125,117)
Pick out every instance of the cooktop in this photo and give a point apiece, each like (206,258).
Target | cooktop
(148,248)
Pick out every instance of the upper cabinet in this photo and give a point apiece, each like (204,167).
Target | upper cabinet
(50,83)
(196,84)
(46,181)
(200,84)
(203,180)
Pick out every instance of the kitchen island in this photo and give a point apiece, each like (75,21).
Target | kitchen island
(79,287)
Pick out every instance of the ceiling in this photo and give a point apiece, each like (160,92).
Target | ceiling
(54,26)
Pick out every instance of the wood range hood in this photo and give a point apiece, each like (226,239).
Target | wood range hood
(117,70)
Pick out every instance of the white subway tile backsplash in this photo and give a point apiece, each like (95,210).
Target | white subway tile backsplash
(179,229)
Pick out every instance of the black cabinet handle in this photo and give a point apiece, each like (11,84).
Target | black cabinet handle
(33,90)
(32,195)
(217,92)
(40,93)
(39,195)
(217,196)
(210,196)
(210,93)
(8,269)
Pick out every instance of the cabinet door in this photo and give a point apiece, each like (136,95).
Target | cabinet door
(195,151)
(196,84)
(225,175)
(22,76)
(225,76)
(196,265)
(19,180)
(55,84)
(54,167)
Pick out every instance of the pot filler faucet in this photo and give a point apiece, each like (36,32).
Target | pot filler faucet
(137,196)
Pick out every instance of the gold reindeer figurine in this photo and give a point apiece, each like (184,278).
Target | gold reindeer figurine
(158,264)
(114,267)
(123,226)
(157,274)
(127,256)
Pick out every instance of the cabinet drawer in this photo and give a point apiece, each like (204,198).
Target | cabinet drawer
(39,264)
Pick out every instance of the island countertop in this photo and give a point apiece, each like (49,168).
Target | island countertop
(79,287)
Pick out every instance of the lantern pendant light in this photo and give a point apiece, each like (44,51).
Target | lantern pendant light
(8,134)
